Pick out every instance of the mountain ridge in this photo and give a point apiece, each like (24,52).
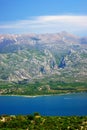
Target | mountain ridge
(32,56)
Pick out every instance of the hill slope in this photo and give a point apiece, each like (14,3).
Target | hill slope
(59,57)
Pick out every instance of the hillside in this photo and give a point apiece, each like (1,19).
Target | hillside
(29,58)
(38,122)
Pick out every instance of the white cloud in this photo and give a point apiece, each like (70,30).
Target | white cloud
(46,24)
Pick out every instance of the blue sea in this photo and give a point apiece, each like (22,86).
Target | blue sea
(58,105)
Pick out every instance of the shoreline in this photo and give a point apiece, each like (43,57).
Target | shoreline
(34,96)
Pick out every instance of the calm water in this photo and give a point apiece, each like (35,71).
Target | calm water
(62,105)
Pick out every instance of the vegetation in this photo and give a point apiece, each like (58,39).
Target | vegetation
(41,87)
(38,122)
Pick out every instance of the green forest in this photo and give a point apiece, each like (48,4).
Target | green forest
(37,122)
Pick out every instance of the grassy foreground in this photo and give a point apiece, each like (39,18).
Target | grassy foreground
(38,122)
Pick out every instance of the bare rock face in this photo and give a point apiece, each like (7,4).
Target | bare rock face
(33,56)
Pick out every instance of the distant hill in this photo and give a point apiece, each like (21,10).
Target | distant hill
(34,56)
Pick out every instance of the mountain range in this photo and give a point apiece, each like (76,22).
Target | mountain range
(37,56)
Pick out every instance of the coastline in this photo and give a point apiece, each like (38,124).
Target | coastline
(35,96)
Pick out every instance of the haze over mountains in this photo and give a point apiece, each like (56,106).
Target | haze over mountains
(34,56)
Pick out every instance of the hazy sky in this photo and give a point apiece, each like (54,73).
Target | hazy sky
(43,16)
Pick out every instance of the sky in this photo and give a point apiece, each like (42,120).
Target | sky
(43,16)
